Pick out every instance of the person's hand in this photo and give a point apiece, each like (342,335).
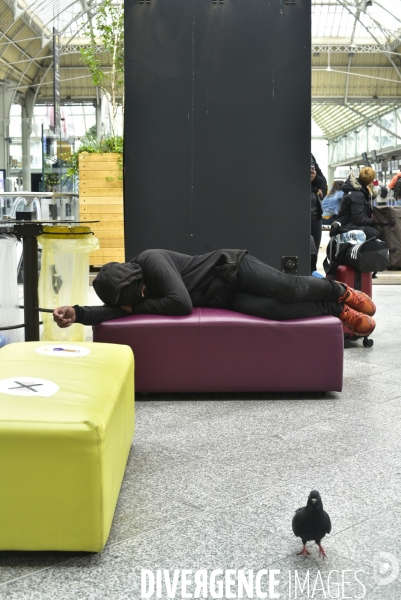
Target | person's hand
(320,194)
(127,307)
(64,316)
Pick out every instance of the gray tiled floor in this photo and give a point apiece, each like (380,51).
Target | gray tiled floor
(214,483)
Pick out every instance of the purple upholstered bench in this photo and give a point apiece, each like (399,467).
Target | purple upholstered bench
(215,350)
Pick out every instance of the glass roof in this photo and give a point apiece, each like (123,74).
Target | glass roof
(356,21)
(360,39)
(67,16)
(363,35)
(64,15)
(343,21)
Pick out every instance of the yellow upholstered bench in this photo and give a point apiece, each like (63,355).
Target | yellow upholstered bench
(66,427)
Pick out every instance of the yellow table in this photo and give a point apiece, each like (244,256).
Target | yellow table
(66,427)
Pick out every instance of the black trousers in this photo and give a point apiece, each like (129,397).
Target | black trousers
(316,232)
(371,232)
(262,291)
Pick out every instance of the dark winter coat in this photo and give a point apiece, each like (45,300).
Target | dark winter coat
(316,206)
(356,207)
(174,284)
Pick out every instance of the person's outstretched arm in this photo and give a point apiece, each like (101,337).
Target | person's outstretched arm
(65,316)
(164,280)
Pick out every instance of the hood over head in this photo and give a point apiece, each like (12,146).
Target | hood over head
(353,183)
(119,283)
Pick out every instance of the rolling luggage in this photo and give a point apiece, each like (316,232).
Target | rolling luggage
(359,281)
(388,218)
(369,254)
(363,255)
(336,254)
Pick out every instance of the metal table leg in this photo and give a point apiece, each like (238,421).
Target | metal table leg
(31,300)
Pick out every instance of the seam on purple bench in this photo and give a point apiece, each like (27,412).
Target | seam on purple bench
(198,349)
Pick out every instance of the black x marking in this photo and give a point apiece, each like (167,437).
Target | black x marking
(27,387)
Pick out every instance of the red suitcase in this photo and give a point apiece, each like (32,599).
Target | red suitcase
(358,281)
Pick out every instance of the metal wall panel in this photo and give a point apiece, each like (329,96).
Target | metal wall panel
(217,127)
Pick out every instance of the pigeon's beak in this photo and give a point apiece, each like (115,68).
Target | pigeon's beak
(314,500)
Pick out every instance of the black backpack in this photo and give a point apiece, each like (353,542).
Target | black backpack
(397,189)
(370,255)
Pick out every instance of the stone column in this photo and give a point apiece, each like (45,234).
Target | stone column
(7,92)
(26,128)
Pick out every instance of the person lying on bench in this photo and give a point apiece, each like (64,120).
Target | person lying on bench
(163,282)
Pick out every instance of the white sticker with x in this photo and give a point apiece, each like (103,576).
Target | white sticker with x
(28,386)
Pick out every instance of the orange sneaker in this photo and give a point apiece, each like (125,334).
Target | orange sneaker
(358,301)
(357,322)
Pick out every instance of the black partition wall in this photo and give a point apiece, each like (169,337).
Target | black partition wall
(217,127)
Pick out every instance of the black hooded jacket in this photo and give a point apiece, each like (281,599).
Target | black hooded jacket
(356,208)
(174,284)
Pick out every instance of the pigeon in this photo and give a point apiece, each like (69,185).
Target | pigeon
(311,523)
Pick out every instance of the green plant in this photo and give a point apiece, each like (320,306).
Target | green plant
(52,179)
(107,26)
(91,145)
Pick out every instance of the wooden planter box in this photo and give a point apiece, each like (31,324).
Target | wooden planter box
(103,200)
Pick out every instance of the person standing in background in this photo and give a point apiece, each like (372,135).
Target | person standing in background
(319,182)
(395,184)
(381,195)
(316,210)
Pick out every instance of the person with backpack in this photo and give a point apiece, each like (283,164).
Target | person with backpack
(395,184)
(356,210)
